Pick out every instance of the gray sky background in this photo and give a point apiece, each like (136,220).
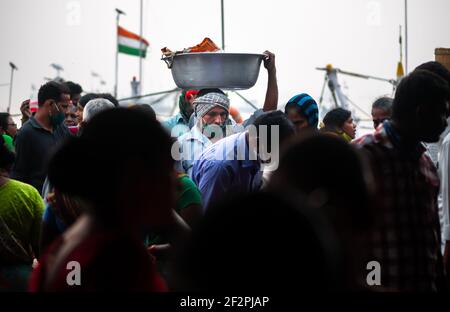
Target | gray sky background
(355,35)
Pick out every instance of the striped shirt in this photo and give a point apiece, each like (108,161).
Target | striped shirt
(191,146)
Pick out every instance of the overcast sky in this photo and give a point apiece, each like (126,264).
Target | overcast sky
(354,35)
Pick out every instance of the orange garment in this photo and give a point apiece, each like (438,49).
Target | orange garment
(207,45)
(236,115)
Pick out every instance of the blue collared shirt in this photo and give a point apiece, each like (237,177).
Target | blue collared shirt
(227,166)
(191,144)
(174,121)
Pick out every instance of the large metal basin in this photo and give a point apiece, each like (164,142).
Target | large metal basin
(235,71)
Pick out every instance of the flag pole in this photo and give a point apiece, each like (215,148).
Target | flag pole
(406,36)
(13,67)
(223,25)
(140,49)
(119,12)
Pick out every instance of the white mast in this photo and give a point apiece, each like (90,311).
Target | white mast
(140,48)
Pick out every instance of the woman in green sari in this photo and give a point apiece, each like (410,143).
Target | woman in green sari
(21,209)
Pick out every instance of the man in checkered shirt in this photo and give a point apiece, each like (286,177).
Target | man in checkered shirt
(405,238)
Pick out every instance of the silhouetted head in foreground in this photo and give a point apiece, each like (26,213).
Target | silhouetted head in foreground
(258,242)
(336,181)
(329,171)
(420,107)
(127,179)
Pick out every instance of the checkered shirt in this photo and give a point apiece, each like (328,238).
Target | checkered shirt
(405,238)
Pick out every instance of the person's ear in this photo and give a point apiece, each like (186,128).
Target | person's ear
(47,104)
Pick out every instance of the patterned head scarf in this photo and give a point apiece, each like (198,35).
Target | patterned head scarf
(306,106)
(203,104)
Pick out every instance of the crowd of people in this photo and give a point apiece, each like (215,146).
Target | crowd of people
(206,201)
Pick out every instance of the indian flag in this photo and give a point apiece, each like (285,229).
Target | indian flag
(130,43)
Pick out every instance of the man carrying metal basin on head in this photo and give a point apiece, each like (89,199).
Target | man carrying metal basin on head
(212,122)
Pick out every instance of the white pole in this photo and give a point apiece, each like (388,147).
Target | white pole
(13,67)
(140,49)
(119,12)
(10,90)
(406,36)
(117,55)
(223,24)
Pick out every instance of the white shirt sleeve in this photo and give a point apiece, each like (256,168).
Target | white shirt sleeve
(444,172)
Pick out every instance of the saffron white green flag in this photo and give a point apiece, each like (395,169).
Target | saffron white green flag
(130,43)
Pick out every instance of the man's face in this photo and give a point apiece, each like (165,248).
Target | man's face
(299,121)
(431,120)
(217,116)
(62,106)
(71,119)
(12,128)
(64,103)
(379,116)
(53,108)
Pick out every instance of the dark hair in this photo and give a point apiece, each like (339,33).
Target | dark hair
(4,121)
(209,90)
(416,89)
(336,117)
(321,162)
(52,90)
(384,103)
(101,158)
(436,68)
(7,157)
(335,177)
(146,109)
(275,118)
(109,97)
(231,247)
(74,88)
(91,96)
(86,98)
